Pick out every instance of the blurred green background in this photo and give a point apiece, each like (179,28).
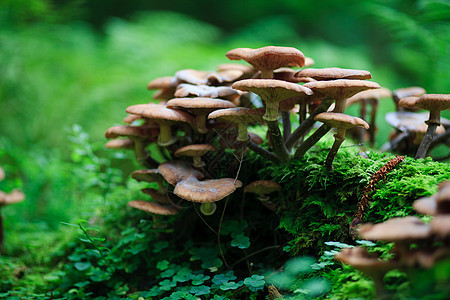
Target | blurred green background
(83,62)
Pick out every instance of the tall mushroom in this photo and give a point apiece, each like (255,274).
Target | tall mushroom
(341,122)
(435,103)
(200,107)
(267,59)
(339,90)
(196,152)
(163,116)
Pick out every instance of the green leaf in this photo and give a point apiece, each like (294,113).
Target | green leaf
(162,265)
(82,266)
(241,241)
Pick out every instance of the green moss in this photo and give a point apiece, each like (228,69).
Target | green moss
(318,206)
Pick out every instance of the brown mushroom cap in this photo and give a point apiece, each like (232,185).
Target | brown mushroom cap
(440,226)
(120,144)
(195,150)
(408,102)
(262,187)
(369,95)
(157,195)
(125,131)
(434,103)
(15,196)
(272,92)
(396,229)
(147,175)
(178,170)
(334,73)
(341,88)
(160,113)
(241,116)
(163,116)
(411,122)
(408,92)
(207,78)
(426,205)
(362,260)
(247,70)
(268,58)
(191,189)
(153,207)
(164,82)
(131,118)
(339,120)
(186,90)
(201,104)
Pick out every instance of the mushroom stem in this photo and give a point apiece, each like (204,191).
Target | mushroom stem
(242,132)
(208,208)
(277,141)
(339,138)
(201,123)
(263,152)
(143,157)
(165,137)
(266,74)
(286,119)
(373,127)
(306,125)
(271,111)
(427,139)
(312,140)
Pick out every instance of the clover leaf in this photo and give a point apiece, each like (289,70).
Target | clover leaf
(199,279)
(167,285)
(231,285)
(200,290)
(255,282)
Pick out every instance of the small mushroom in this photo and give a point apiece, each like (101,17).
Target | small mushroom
(435,103)
(163,116)
(334,73)
(206,192)
(341,122)
(154,207)
(413,91)
(120,144)
(139,135)
(200,107)
(241,116)
(178,170)
(272,92)
(262,188)
(196,152)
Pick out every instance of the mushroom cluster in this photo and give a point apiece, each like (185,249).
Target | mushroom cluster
(204,116)
(15,196)
(416,244)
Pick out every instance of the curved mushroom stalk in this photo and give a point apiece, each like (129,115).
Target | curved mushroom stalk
(435,103)
(341,122)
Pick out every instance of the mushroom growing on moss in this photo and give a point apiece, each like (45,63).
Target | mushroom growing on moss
(435,103)
(341,122)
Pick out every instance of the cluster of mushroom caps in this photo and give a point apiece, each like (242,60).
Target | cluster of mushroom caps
(15,196)
(416,244)
(203,112)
